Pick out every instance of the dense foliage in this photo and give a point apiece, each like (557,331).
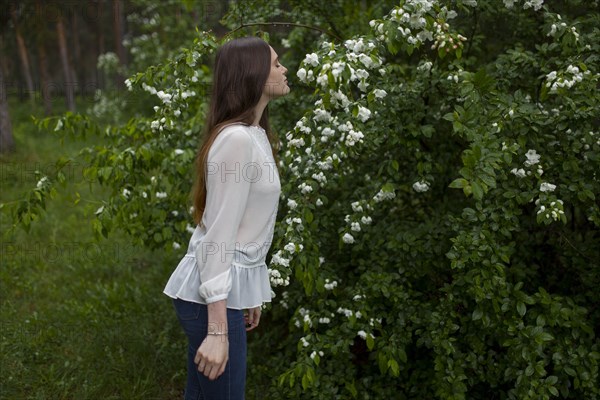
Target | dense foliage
(438,228)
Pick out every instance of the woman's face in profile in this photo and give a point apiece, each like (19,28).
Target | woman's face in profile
(276,85)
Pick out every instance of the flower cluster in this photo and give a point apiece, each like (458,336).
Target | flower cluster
(551,209)
(415,22)
(276,278)
(559,28)
(532,161)
(330,285)
(570,77)
(535,4)
(421,186)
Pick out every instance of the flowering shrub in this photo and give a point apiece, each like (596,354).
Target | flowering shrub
(438,227)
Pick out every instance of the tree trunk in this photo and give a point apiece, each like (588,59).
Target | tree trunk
(101,49)
(119,23)
(78,63)
(7,143)
(45,88)
(64,58)
(45,85)
(23,55)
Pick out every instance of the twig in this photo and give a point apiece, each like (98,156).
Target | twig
(287,24)
(575,248)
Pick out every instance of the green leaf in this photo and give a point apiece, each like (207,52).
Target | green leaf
(458,183)
(521,308)
(393,364)
(477,190)
(370,342)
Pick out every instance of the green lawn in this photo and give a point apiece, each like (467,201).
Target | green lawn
(80,319)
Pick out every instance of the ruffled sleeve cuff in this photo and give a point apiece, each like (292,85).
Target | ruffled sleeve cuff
(217,288)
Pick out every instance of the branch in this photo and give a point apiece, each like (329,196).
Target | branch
(287,24)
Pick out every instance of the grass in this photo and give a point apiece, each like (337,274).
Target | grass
(79,319)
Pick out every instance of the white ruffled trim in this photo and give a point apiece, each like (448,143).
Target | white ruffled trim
(250,286)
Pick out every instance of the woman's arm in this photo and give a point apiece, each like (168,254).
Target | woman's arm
(213,353)
(228,190)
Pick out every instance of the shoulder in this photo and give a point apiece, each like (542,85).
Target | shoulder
(235,138)
(235,133)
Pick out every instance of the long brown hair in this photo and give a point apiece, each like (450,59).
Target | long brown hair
(242,67)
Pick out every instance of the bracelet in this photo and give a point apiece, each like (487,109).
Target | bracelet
(217,333)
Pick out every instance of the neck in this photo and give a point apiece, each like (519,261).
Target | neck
(258,110)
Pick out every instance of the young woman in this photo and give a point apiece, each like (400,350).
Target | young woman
(235,205)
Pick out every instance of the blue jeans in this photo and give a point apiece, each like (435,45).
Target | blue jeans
(193,318)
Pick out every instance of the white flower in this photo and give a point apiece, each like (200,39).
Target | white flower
(190,228)
(381,195)
(425,67)
(301,74)
(296,142)
(330,285)
(312,59)
(320,177)
(161,195)
(304,342)
(536,4)
(41,182)
(126,193)
(178,152)
(366,220)
(345,311)
(292,204)
(277,259)
(421,186)
(165,97)
(379,93)
(321,115)
(362,85)
(363,113)
(355,227)
(348,238)
(176,245)
(319,202)
(356,207)
(353,137)
(547,187)
(520,173)
(304,188)
(551,76)
(144,195)
(362,74)
(291,247)
(362,334)
(324,320)
(327,132)
(532,158)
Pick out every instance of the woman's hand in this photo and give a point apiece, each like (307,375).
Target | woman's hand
(212,356)
(252,318)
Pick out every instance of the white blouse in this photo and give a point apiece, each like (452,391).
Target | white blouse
(226,255)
